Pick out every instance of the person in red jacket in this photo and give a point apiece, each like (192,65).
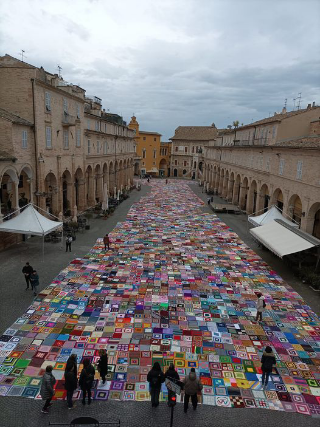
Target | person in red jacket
(106,241)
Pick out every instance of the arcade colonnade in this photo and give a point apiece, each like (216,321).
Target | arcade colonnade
(65,191)
(255,192)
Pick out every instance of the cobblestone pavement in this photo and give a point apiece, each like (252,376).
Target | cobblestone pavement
(26,412)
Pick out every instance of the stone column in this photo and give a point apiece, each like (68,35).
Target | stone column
(242,199)
(230,190)
(31,190)
(225,187)
(235,192)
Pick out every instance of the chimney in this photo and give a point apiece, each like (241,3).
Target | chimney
(313,104)
(284,110)
(309,107)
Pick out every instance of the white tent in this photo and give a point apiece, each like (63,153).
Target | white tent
(30,221)
(271,214)
(283,239)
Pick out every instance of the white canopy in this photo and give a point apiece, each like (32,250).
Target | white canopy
(282,239)
(30,221)
(271,214)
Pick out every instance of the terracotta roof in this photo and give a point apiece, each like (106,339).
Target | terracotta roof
(195,133)
(14,118)
(306,142)
(4,156)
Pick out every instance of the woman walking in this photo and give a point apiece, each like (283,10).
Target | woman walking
(47,390)
(155,378)
(70,384)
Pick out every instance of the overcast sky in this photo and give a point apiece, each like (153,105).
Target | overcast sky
(174,62)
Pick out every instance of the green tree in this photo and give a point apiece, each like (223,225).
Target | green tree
(235,124)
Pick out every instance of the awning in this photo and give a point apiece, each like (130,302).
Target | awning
(153,170)
(30,221)
(283,239)
(271,214)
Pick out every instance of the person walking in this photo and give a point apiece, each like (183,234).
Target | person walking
(71,381)
(27,271)
(34,279)
(173,376)
(191,387)
(155,378)
(106,241)
(68,242)
(47,390)
(103,364)
(267,362)
(166,181)
(86,380)
(73,360)
(261,304)
(208,201)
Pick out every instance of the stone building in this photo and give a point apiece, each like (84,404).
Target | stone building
(188,143)
(257,173)
(70,150)
(153,154)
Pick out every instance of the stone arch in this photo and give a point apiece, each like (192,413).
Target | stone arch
(175,172)
(98,183)
(264,199)
(163,167)
(230,187)
(313,220)
(252,197)
(236,190)
(9,192)
(66,193)
(184,172)
(295,208)
(25,187)
(277,198)
(90,186)
(136,169)
(112,183)
(244,194)
(51,190)
(79,186)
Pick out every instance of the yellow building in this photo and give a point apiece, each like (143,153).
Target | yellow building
(154,154)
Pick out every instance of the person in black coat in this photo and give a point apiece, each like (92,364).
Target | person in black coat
(103,365)
(267,362)
(27,271)
(173,376)
(71,382)
(73,361)
(86,380)
(155,378)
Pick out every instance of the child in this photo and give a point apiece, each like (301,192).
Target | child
(267,362)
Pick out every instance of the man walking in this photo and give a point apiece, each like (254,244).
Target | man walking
(191,387)
(68,242)
(34,279)
(27,271)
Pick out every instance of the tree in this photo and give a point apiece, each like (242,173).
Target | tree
(229,127)
(235,124)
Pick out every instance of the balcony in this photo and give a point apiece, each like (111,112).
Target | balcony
(68,120)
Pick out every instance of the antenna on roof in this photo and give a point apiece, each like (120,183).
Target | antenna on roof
(299,100)
(22,55)
(294,103)
(59,70)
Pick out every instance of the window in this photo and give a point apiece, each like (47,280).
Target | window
(154,163)
(176,162)
(281,166)
(78,139)
(65,106)
(144,153)
(155,139)
(98,147)
(24,139)
(88,124)
(185,149)
(154,154)
(78,111)
(65,139)
(175,148)
(89,146)
(185,163)
(144,138)
(268,164)
(48,137)
(299,169)
(97,126)
(193,148)
(274,131)
(105,147)
(48,101)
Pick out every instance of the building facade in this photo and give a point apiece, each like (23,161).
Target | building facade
(75,155)
(256,174)
(187,147)
(153,154)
